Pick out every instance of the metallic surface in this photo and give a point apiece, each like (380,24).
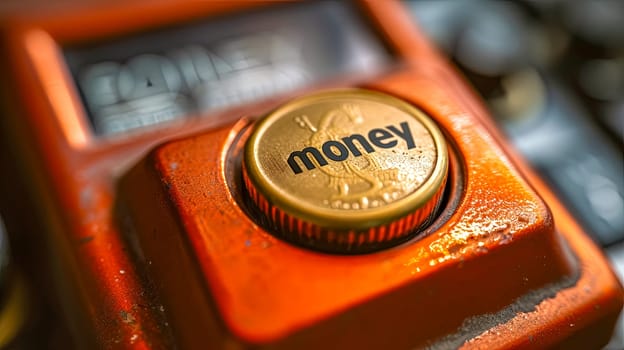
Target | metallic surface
(246,283)
(379,191)
(193,270)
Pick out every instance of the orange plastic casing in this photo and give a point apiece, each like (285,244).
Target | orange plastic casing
(155,250)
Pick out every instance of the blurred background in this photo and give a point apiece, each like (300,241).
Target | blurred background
(552,73)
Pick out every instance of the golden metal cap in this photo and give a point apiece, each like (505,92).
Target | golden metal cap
(347,170)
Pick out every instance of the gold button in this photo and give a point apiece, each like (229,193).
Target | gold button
(346,171)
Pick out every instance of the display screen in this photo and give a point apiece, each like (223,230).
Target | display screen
(150,78)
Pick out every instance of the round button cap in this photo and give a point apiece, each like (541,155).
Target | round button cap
(346,171)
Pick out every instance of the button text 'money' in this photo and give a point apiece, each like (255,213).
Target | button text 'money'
(340,150)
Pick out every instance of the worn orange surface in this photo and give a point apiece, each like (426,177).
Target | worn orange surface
(267,290)
(70,175)
(221,279)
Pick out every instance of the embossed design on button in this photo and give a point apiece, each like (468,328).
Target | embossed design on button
(347,170)
(358,185)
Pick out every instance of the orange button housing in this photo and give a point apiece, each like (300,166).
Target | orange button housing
(205,275)
(493,249)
